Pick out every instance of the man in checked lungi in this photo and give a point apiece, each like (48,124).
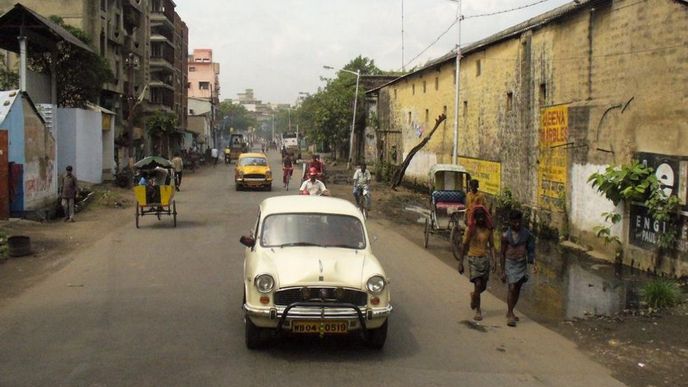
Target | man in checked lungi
(518,250)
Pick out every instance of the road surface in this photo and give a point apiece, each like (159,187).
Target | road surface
(161,306)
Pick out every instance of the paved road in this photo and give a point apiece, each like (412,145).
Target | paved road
(161,306)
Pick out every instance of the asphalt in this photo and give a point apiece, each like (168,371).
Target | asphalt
(162,306)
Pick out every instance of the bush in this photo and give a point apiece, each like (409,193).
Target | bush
(661,293)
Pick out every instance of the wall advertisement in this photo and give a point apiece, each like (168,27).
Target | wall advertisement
(489,173)
(672,173)
(553,156)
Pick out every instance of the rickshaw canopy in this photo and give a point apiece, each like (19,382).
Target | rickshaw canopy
(448,177)
(446,168)
(152,162)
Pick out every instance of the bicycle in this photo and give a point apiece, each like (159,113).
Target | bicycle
(286,176)
(363,200)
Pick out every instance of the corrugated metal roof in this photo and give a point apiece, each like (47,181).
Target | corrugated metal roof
(508,33)
(7,99)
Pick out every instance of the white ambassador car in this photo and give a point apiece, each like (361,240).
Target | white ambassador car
(309,269)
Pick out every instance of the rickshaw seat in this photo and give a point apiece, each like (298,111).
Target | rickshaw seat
(449,197)
(447,205)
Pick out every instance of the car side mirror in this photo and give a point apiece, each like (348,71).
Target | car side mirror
(247,241)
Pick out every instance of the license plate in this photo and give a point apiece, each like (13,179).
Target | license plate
(316,327)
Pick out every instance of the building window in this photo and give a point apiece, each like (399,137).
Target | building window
(413,89)
(192,69)
(437,83)
(204,85)
(477,68)
(188,85)
(465,109)
(427,116)
(543,94)
(509,101)
(409,118)
(425,86)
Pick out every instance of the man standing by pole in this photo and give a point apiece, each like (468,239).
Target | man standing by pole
(69,190)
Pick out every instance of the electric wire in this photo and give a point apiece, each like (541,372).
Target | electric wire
(459,18)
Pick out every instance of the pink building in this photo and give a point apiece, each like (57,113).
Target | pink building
(204,75)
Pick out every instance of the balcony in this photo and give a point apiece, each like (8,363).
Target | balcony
(160,20)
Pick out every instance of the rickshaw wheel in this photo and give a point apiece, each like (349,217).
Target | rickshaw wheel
(137,215)
(428,226)
(455,240)
(174,213)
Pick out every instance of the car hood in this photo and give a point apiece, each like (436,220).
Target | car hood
(251,169)
(299,266)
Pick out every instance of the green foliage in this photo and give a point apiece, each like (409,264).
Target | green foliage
(235,116)
(636,182)
(632,182)
(8,79)
(161,123)
(325,117)
(661,293)
(80,74)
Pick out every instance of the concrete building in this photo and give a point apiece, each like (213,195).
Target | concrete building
(548,102)
(204,84)
(30,152)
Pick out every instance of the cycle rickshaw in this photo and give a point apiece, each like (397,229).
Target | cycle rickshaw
(448,188)
(155,188)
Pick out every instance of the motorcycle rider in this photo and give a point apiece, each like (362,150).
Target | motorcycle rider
(362,178)
(313,186)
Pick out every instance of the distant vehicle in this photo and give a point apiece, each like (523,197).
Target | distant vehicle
(290,141)
(237,145)
(253,171)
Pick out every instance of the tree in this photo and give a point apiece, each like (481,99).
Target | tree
(8,79)
(80,74)
(327,114)
(237,117)
(160,127)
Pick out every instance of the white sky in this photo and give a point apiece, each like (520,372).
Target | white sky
(278,47)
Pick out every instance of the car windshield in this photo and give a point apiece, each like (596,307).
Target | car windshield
(324,230)
(255,161)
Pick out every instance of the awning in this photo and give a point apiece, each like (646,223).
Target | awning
(42,34)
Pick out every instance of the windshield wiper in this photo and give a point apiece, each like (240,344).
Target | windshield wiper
(343,246)
(299,244)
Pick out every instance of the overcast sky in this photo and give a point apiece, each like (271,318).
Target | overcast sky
(278,47)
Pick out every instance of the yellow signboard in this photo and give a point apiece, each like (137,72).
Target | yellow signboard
(489,173)
(553,156)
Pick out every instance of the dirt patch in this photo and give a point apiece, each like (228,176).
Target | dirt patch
(54,243)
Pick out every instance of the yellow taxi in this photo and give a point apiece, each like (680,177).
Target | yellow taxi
(252,171)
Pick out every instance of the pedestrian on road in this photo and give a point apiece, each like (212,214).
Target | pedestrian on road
(178,166)
(215,154)
(474,198)
(69,189)
(518,250)
(478,243)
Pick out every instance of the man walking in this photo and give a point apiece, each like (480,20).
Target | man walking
(215,155)
(178,166)
(69,190)
(518,250)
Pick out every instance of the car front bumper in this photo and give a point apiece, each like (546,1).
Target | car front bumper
(280,317)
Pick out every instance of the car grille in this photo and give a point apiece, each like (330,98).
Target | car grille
(320,294)
(254,176)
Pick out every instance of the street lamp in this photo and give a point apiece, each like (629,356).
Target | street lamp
(357,73)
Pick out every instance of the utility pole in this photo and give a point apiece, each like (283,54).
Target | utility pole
(130,62)
(455,150)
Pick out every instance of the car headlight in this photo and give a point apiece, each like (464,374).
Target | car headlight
(268,174)
(264,283)
(376,284)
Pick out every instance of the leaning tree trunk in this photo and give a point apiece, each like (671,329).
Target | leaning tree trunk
(399,174)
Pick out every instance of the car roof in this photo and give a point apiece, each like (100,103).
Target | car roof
(244,155)
(308,204)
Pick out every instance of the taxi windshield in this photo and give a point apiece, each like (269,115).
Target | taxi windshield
(254,161)
(322,230)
